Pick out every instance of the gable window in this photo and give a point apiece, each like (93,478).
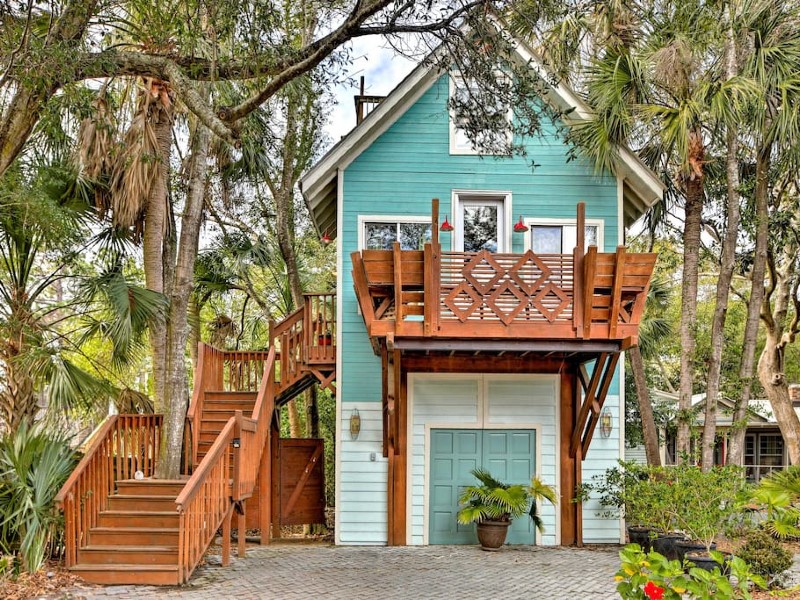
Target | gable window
(380,233)
(560,237)
(486,117)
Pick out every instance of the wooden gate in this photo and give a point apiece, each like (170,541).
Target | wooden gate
(300,482)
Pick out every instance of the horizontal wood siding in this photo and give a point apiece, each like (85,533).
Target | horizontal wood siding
(361,496)
(603,454)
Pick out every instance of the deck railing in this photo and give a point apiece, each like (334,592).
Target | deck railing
(226,475)
(483,294)
(123,445)
(221,370)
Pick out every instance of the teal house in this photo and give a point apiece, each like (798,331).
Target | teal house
(482,329)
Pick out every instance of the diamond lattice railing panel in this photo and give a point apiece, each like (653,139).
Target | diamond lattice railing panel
(507,301)
(508,288)
(551,301)
(463,300)
(529,273)
(484,272)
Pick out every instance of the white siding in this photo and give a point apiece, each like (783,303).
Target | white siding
(636,454)
(481,401)
(362,481)
(603,454)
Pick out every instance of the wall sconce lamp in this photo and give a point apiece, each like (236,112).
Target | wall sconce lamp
(606,423)
(355,424)
(236,442)
(520,226)
(446,226)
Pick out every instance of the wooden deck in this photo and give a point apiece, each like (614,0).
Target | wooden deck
(119,529)
(472,296)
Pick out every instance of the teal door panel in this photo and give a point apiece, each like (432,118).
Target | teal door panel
(509,455)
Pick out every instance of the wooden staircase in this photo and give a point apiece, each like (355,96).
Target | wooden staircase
(120,529)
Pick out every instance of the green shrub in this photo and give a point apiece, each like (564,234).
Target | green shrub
(653,576)
(764,555)
(33,467)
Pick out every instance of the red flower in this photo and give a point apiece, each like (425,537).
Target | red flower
(653,591)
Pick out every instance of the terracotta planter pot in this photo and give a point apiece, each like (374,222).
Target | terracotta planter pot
(324,339)
(685,546)
(492,534)
(703,560)
(641,536)
(664,544)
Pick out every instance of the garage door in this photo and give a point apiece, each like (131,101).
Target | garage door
(508,454)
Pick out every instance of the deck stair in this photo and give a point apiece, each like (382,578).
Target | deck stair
(120,529)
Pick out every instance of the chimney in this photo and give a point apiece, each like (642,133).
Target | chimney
(365,104)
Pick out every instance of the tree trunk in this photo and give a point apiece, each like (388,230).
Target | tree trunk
(155,226)
(649,431)
(694,191)
(312,412)
(176,395)
(754,308)
(727,264)
(771,376)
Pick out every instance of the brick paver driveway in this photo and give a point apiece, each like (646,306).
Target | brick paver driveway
(288,570)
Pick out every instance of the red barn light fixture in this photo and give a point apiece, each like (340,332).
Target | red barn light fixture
(520,226)
(446,226)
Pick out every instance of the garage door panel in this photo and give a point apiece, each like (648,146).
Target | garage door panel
(507,454)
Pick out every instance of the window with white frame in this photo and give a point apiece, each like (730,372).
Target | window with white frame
(560,237)
(380,233)
(486,117)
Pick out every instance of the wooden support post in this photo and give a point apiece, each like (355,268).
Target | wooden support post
(569,509)
(435,222)
(399,309)
(616,292)
(226,537)
(590,263)
(400,449)
(577,271)
(241,532)
(276,485)
(265,489)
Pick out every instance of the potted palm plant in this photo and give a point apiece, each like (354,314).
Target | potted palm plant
(493,505)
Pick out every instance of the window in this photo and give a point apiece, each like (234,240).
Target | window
(480,221)
(547,237)
(485,116)
(381,234)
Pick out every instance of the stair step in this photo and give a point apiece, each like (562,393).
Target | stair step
(220,410)
(138,518)
(134,536)
(226,396)
(128,555)
(130,574)
(141,502)
(152,487)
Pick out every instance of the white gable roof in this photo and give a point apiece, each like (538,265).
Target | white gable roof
(641,186)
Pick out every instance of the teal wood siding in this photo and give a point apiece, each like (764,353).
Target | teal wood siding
(400,172)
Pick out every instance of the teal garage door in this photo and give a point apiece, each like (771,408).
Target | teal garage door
(508,454)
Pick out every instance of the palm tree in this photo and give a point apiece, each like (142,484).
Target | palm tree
(663,91)
(51,303)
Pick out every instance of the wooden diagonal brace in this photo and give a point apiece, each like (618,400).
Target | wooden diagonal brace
(608,376)
(588,399)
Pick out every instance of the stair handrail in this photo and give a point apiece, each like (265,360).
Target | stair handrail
(123,445)
(196,403)
(253,432)
(201,514)
(290,334)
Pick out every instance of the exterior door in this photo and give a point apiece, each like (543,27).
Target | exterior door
(508,454)
(480,224)
(300,481)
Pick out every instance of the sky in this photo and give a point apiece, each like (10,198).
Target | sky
(383,70)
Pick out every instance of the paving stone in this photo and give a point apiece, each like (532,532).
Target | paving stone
(292,571)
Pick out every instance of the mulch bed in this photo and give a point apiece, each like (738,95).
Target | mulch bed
(49,580)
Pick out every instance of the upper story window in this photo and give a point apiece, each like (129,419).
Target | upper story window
(560,237)
(476,114)
(380,233)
